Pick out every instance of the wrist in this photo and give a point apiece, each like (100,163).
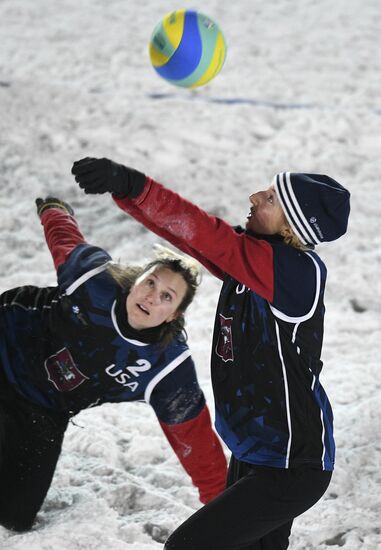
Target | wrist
(46,207)
(52,202)
(131,183)
(139,180)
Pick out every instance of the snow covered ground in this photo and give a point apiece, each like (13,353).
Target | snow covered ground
(300,91)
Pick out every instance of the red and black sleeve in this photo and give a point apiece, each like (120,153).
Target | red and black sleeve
(200,453)
(207,238)
(62,234)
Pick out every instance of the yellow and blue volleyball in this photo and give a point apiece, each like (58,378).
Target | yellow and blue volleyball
(187,48)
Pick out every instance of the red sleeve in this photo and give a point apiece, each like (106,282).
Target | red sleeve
(200,453)
(62,234)
(135,212)
(245,258)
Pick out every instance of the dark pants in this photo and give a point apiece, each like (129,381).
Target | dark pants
(255,512)
(30,444)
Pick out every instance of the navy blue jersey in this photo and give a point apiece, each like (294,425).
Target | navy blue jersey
(70,347)
(271,409)
(62,347)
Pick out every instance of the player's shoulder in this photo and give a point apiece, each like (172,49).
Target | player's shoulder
(83,263)
(299,280)
(291,258)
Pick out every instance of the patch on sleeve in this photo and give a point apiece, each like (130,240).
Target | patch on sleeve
(224,347)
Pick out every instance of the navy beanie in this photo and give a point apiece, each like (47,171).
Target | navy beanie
(316,206)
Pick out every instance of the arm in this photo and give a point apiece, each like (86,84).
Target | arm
(245,258)
(72,256)
(200,453)
(138,214)
(179,404)
(284,276)
(275,273)
(62,234)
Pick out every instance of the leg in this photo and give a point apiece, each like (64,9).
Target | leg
(277,539)
(32,440)
(255,513)
(2,434)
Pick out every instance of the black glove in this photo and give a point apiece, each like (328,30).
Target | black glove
(52,202)
(104,175)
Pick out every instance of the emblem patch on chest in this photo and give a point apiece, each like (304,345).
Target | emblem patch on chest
(63,372)
(224,347)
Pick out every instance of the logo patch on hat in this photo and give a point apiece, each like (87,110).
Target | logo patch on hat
(315,225)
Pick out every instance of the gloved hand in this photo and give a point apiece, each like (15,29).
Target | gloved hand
(52,202)
(104,175)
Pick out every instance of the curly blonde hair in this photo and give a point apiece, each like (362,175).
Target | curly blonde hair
(290,238)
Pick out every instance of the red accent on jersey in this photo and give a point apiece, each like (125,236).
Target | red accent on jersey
(62,234)
(200,452)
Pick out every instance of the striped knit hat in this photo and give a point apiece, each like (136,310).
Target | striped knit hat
(316,206)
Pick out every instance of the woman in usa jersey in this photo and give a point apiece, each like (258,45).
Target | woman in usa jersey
(105,333)
(271,409)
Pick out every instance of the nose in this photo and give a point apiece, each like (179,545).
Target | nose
(152,297)
(254,199)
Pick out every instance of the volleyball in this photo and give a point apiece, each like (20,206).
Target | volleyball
(187,48)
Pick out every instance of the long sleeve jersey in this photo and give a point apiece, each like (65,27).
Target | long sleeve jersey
(65,348)
(271,408)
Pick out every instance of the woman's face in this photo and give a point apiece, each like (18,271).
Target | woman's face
(266,216)
(155,297)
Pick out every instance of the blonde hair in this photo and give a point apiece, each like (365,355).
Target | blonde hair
(291,238)
(188,268)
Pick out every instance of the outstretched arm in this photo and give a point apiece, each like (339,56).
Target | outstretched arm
(246,259)
(179,404)
(200,453)
(61,230)
(210,239)
(131,208)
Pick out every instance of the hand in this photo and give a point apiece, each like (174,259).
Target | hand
(52,202)
(104,175)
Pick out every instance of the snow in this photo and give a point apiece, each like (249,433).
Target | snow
(300,91)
